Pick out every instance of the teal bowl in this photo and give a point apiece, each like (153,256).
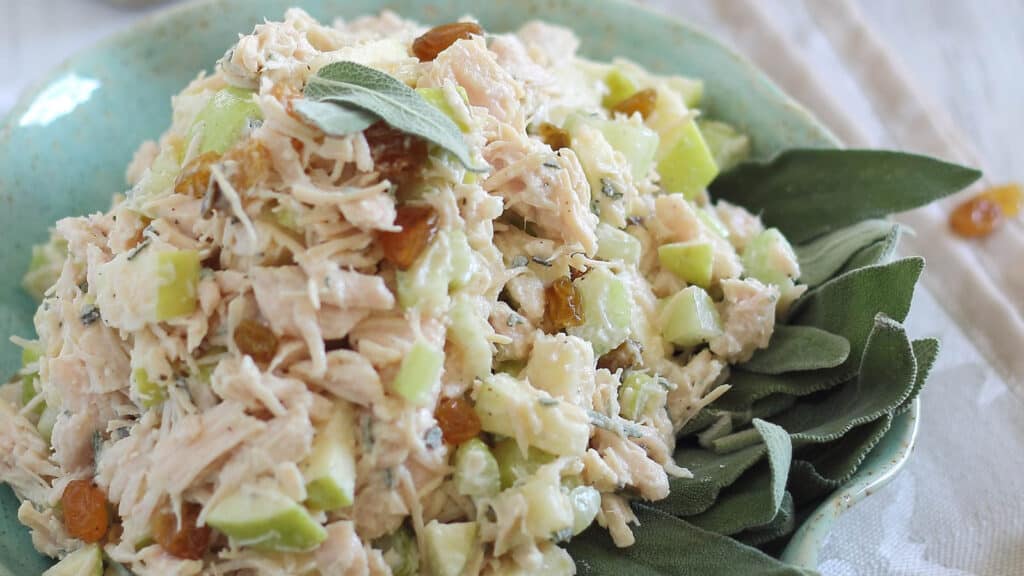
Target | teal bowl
(64,148)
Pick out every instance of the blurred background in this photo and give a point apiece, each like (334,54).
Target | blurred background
(944,77)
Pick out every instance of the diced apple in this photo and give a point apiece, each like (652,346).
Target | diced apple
(330,470)
(607,308)
(178,278)
(503,402)
(45,266)
(419,374)
(728,146)
(639,394)
(691,261)
(225,117)
(47,420)
(563,366)
(712,222)
(636,142)
(476,470)
(436,98)
(770,258)
(616,245)
(684,162)
(690,318)
(620,86)
(262,517)
(586,502)
(549,511)
(468,331)
(513,465)
(460,259)
(449,546)
(150,393)
(86,561)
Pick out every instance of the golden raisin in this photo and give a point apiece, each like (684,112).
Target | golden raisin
(457,419)
(439,38)
(1009,197)
(643,102)
(256,340)
(251,164)
(86,516)
(195,176)
(625,357)
(562,305)
(419,226)
(187,540)
(397,156)
(554,136)
(976,217)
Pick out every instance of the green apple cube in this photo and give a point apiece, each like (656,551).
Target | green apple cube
(586,502)
(476,470)
(264,518)
(449,546)
(159,178)
(549,510)
(86,561)
(556,427)
(45,266)
(400,552)
(767,257)
(689,261)
(691,89)
(225,117)
(728,146)
(436,98)
(616,245)
(150,393)
(468,331)
(29,356)
(636,393)
(712,222)
(620,86)
(559,365)
(513,466)
(690,318)
(419,373)
(607,308)
(177,273)
(460,259)
(330,470)
(638,143)
(425,283)
(47,420)
(684,162)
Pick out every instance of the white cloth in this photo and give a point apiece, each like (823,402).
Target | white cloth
(957,509)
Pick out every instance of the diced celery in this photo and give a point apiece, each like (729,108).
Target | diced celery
(513,466)
(178,278)
(425,283)
(689,261)
(617,245)
(448,546)
(47,420)
(769,257)
(607,309)
(728,146)
(419,374)
(620,86)
(436,98)
(476,470)
(460,259)
(684,162)
(712,222)
(225,117)
(690,318)
(557,427)
(45,266)
(150,393)
(400,552)
(638,393)
(264,518)
(468,331)
(330,470)
(586,501)
(30,355)
(86,561)
(562,366)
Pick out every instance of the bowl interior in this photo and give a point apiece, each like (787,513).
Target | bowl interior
(64,148)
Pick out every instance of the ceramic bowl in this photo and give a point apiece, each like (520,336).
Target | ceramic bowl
(64,148)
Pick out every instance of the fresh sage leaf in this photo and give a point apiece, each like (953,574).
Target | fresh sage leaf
(822,257)
(356,87)
(825,467)
(334,120)
(809,192)
(926,352)
(798,348)
(748,388)
(782,525)
(668,546)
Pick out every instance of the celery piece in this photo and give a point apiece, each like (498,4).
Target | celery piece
(689,318)
(177,272)
(555,426)
(400,552)
(425,283)
(684,162)
(712,222)
(436,98)
(636,393)
(225,117)
(586,501)
(689,261)
(468,331)
(31,355)
(47,420)
(513,466)
(419,373)
(767,257)
(449,546)
(620,86)
(264,518)
(616,245)
(728,146)
(150,393)
(476,470)
(607,309)
(45,266)
(460,259)
(330,470)
(86,561)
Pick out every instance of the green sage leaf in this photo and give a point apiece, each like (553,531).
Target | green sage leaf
(822,257)
(823,468)
(798,348)
(782,525)
(354,86)
(333,119)
(926,352)
(809,192)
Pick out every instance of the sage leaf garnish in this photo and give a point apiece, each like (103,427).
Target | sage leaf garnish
(822,257)
(332,119)
(799,348)
(354,87)
(807,193)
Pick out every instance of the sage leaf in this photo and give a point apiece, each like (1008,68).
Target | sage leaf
(750,387)
(828,466)
(798,348)
(668,546)
(333,119)
(821,258)
(354,86)
(926,352)
(809,192)
(783,524)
